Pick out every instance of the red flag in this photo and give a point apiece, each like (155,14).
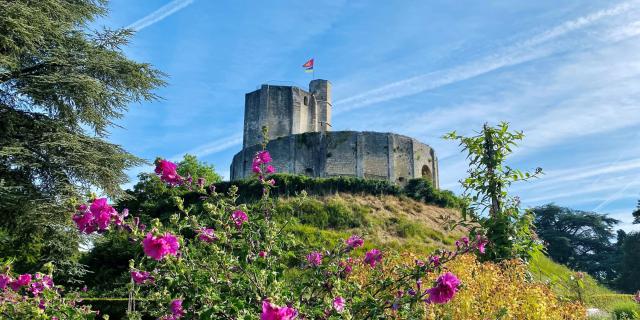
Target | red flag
(308,65)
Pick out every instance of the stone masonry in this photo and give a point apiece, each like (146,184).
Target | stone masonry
(301,140)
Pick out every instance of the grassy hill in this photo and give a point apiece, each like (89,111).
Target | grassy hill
(401,223)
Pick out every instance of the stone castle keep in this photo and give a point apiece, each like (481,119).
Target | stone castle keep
(301,140)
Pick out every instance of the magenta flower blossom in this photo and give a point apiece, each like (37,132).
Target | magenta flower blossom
(445,289)
(262,254)
(264,156)
(140,277)
(206,235)
(274,312)
(239,217)
(201,182)
(481,243)
(158,247)
(167,172)
(22,281)
(97,217)
(176,308)
(637,297)
(43,283)
(338,304)
(4,281)
(270,169)
(346,266)
(435,261)
(256,169)
(372,257)
(84,222)
(314,258)
(354,242)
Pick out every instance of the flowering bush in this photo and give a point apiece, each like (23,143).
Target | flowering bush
(216,259)
(28,296)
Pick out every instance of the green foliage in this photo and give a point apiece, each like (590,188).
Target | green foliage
(636,214)
(422,189)
(56,79)
(509,231)
(579,239)
(190,166)
(626,311)
(629,269)
(290,185)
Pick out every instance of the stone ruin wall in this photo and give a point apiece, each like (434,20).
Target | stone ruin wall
(371,155)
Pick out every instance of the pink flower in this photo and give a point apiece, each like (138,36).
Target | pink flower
(4,281)
(176,308)
(158,247)
(273,312)
(256,169)
(97,217)
(43,283)
(140,277)
(201,182)
(239,217)
(270,169)
(481,243)
(445,289)
(435,261)
(84,222)
(167,172)
(372,257)
(206,235)
(22,281)
(338,304)
(262,254)
(314,258)
(264,156)
(346,265)
(354,242)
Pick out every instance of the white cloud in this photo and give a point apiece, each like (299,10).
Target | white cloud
(212,147)
(158,15)
(514,54)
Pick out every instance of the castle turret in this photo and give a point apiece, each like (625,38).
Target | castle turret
(321,91)
(301,140)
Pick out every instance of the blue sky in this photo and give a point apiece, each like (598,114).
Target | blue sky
(566,73)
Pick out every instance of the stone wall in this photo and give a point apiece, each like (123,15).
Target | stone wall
(372,155)
(286,110)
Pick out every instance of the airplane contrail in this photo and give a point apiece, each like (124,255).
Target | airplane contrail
(514,54)
(158,15)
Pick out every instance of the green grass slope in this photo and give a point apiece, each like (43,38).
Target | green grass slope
(404,224)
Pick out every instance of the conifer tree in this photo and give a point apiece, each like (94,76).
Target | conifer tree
(62,86)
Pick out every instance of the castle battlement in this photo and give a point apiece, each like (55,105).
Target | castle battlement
(301,140)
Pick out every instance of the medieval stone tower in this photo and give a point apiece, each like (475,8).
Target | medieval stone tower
(301,140)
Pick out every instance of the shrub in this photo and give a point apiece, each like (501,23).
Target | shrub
(502,291)
(422,190)
(291,184)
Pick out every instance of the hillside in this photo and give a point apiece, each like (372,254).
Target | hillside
(388,221)
(404,224)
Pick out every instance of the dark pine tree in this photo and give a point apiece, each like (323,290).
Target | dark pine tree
(578,239)
(61,87)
